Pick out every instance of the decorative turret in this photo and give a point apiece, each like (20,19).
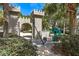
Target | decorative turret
(38,12)
(15,9)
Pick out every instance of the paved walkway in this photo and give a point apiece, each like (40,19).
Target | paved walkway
(43,50)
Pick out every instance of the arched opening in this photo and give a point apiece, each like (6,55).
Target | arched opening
(26,28)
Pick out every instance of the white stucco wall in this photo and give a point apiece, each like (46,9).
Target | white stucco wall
(38,25)
(24,20)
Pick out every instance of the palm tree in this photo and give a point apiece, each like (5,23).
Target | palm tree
(64,12)
(56,12)
(72,14)
(45,24)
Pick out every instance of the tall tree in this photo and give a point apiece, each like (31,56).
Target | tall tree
(72,14)
(59,12)
(56,12)
(5,11)
(45,24)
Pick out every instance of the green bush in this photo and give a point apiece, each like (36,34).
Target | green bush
(1,21)
(11,35)
(17,47)
(1,34)
(69,45)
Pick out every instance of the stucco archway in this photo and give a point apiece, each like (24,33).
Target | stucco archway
(26,27)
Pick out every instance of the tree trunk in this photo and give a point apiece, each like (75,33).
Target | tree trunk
(5,27)
(64,28)
(72,15)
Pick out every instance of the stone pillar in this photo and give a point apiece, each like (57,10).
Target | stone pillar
(37,23)
(13,24)
(13,19)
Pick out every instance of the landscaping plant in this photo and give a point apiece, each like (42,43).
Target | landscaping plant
(69,45)
(17,47)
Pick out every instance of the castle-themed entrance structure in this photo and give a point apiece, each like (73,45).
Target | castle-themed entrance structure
(35,21)
(13,23)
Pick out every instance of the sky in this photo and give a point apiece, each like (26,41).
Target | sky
(27,8)
(1,7)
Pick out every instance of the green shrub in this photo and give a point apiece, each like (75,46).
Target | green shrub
(69,45)
(17,47)
(26,27)
(11,35)
(1,21)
